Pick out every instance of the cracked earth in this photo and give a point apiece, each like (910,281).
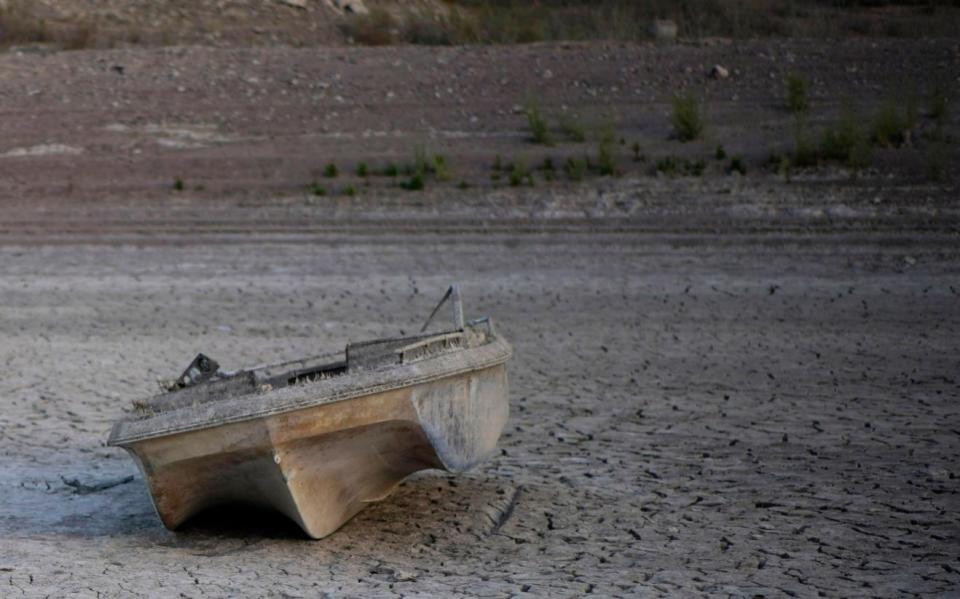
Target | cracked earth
(723,385)
(689,415)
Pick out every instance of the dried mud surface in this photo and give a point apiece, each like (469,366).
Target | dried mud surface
(726,386)
(712,417)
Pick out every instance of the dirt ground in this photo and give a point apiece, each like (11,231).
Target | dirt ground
(721,385)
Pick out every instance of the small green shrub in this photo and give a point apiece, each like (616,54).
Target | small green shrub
(688,122)
(573,129)
(463,185)
(673,166)
(318,190)
(797,100)
(668,165)
(720,153)
(497,164)
(439,168)
(414,183)
(737,165)
(891,126)
(606,162)
(575,168)
(539,130)
(637,156)
(350,191)
(362,170)
(845,143)
(520,174)
(330,171)
(391,170)
(178,184)
(548,166)
(804,150)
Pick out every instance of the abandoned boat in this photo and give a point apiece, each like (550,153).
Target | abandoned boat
(317,439)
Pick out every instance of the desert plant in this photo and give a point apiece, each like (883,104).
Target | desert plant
(439,168)
(804,150)
(178,184)
(576,168)
(414,183)
(573,129)
(891,126)
(520,174)
(797,100)
(844,142)
(668,165)
(606,162)
(737,165)
(687,119)
(330,171)
(673,166)
(318,190)
(539,130)
(720,153)
(362,169)
(350,191)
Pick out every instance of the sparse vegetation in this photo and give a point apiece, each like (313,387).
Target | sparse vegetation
(520,174)
(687,119)
(178,184)
(573,129)
(720,153)
(891,126)
(539,130)
(414,183)
(797,100)
(606,162)
(318,190)
(673,166)
(439,168)
(845,142)
(330,171)
(576,168)
(350,191)
(637,156)
(737,165)
(363,170)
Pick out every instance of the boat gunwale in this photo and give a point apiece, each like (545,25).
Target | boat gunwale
(216,413)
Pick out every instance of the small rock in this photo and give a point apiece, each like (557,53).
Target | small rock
(719,72)
(295,3)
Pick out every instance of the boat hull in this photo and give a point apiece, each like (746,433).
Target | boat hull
(322,464)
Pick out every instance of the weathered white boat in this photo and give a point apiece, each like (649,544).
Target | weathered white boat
(318,439)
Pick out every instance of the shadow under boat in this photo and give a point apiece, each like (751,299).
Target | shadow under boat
(318,439)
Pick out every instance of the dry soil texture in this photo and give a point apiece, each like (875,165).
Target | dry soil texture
(728,386)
